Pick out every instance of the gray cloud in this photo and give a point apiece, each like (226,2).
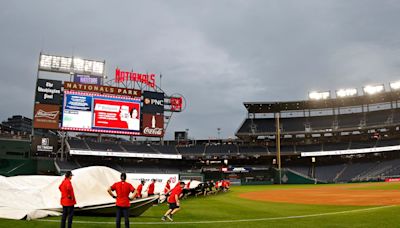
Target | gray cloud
(217,53)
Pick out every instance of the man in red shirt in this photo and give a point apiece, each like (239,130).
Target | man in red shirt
(150,188)
(167,187)
(67,199)
(139,189)
(173,201)
(123,189)
(188,184)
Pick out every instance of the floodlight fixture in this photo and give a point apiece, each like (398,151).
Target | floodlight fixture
(373,89)
(350,92)
(62,64)
(315,95)
(395,85)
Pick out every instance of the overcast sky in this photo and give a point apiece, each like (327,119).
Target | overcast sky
(218,54)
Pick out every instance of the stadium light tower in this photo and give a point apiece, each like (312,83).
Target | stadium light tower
(315,95)
(350,92)
(395,85)
(373,89)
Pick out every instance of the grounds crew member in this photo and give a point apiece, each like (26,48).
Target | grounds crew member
(150,188)
(67,199)
(139,189)
(173,201)
(167,187)
(123,189)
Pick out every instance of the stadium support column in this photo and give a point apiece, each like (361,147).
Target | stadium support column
(278,145)
(34,98)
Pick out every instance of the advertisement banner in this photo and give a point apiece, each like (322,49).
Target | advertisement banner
(77,112)
(176,104)
(392,180)
(123,154)
(87,79)
(46,116)
(153,102)
(44,144)
(161,180)
(48,91)
(153,124)
(112,113)
(102,89)
(101,113)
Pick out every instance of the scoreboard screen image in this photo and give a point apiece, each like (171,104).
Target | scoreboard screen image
(100,113)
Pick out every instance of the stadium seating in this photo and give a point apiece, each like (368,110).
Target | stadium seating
(104,146)
(336,146)
(308,148)
(328,172)
(245,149)
(139,148)
(322,122)
(353,170)
(78,144)
(191,149)
(165,149)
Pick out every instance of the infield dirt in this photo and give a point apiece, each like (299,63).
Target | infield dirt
(329,195)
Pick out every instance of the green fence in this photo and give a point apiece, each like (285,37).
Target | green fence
(290,177)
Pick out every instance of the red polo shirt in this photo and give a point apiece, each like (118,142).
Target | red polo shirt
(67,193)
(176,191)
(122,189)
(151,188)
(139,191)
(167,188)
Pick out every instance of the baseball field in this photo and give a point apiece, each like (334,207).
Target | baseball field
(341,205)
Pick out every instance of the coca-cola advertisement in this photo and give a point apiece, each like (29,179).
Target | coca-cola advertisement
(153,125)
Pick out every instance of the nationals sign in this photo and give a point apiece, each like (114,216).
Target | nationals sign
(101,113)
(147,79)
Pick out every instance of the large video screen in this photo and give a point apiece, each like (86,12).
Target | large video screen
(100,113)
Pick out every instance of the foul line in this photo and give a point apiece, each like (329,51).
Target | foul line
(234,221)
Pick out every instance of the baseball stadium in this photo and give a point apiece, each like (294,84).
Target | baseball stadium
(331,160)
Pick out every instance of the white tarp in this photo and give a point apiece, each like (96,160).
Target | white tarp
(33,197)
(161,180)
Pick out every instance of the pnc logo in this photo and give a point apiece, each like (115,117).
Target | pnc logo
(149,101)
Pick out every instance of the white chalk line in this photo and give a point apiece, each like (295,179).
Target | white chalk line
(233,221)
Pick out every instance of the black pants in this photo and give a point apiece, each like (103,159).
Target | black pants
(122,211)
(67,212)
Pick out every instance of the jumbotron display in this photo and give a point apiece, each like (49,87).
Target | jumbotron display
(100,113)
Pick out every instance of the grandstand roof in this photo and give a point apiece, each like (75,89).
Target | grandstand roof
(274,107)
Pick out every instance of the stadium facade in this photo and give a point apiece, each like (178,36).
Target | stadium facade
(77,123)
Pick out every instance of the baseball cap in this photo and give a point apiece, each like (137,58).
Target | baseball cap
(68,174)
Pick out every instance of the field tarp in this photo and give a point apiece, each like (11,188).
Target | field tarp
(33,197)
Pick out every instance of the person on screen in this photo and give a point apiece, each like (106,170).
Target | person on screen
(130,117)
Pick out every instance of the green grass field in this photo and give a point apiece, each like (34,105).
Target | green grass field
(229,210)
